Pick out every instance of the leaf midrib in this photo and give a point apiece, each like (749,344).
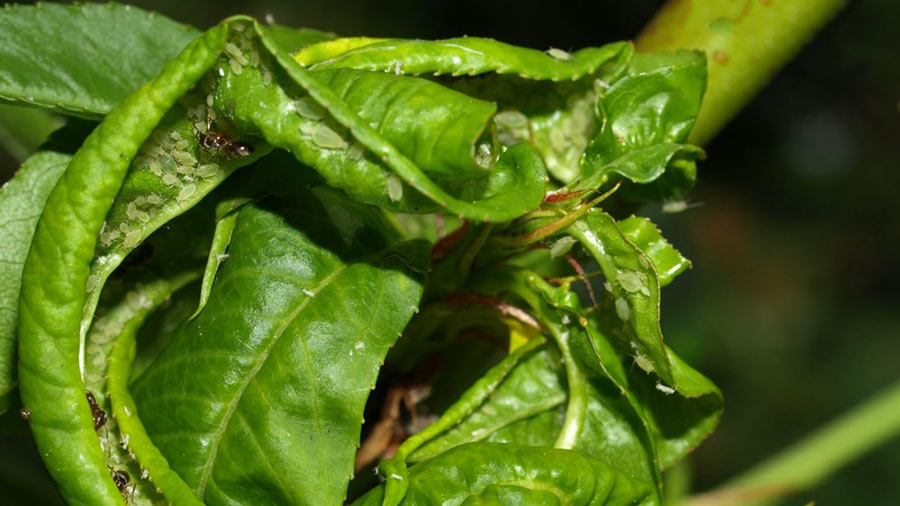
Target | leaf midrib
(220,431)
(264,356)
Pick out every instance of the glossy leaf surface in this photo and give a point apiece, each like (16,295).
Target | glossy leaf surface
(270,379)
(100,54)
(492,473)
(667,261)
(646,117)
(21,201)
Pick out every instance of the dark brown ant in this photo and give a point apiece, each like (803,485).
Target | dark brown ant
(217,141)
(122,479)
(97,412)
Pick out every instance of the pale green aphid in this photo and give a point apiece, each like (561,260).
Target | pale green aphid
(395,188)
(327,138)
(633,282)
(623,310)
(186,192)
(207,170)
(644,363)
(236,53)
(559,54)
(511,119)
(512,127)
(558,140)
(307,108)
(357,151)
(170,179)
(184,157)
(562,246)
(132,238)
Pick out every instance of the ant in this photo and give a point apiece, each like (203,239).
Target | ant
(97,412)
(217,141)
(122,479)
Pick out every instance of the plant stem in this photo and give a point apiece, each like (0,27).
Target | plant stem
(813,458)
(746,42)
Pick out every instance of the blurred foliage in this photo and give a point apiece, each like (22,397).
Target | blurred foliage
(792,305)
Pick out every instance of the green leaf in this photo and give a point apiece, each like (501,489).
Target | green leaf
(595,406)
(667,261)
(21,201)
(270,380)
(57,271)
(295,39)
(531,388)
(468,56)
(646,117)
(679,422)
(23,130)
(514,187)
(149,468)
(633,286)
(492,473)
(125,305)
(83,59)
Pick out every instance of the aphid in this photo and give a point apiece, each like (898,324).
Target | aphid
(307,108)
(236,67)
(644,363)
(622,310)
(186,192)
(665,389)
(122,479)
(356,151)
(185,170)
(562,246)
(558,140)
(97,412)
(633,282)
(155,168)
(395,188)
(154,200)
(559,54)
(170,179)
(513,120)
(327,138)
(677,206)
(107,238)
(131,239)
(25,413)
(207,170)
(185,158)
(236,53)
(131,211)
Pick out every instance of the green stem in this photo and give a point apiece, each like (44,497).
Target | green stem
(746,43)
(815,457)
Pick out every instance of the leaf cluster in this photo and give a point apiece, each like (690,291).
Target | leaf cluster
(272,233)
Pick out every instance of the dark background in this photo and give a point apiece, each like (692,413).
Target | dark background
(793,305)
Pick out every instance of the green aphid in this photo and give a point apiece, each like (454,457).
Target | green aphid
(327,138)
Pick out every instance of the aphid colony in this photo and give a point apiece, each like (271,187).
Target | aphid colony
(241,52)
(182,163)
(165,155)
(120,477)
